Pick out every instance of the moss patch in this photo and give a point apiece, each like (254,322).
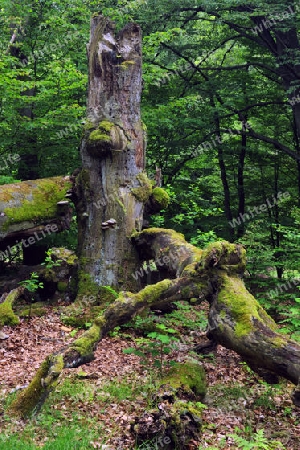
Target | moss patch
(152,292)
(66,255)
(86,286)
(40,199)
(242,306)
(62,286)
(98,137)
(85,344)
(161,197)
(143,192)
(224,255)
(101,137)
(188,409)
(27,400)
(107,294)
(7,316)
(187,378)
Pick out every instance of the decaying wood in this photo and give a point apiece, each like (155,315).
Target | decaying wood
(236,320)
(112,158)
(7,301)
(30,208)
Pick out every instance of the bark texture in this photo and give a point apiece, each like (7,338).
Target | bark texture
(236,320)
(112,187)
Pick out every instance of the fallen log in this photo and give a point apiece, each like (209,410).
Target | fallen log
(31,210)
(236,320)
(7,316)
(81,351)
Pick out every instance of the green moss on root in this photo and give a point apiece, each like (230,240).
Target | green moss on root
(224,255)
(86,343)
(27,401)
(182,408)
(242,306)
(56,367)
(152,292)
(7,316)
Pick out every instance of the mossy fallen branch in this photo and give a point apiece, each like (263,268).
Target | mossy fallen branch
(7,315)
(82,349)
(236,320)
(27,204)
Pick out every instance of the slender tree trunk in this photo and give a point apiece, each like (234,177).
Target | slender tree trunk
(111,186)
(240,178)
(29,164)
(224,177)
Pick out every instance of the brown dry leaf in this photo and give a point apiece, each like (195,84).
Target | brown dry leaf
(67,329)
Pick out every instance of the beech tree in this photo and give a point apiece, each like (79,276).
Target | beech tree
(111,194)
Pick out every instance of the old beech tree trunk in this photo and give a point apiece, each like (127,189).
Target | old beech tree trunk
(112,158)
(112,185)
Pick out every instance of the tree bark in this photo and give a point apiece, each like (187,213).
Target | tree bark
(112,184)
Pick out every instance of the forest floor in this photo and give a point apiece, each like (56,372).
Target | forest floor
(95,404)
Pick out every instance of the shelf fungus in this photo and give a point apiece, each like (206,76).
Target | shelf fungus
(110,223)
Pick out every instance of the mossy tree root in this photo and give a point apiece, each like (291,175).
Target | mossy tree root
(7,316)
(34,206)
(167,248)
(176,257)
(82,349)
(237,321)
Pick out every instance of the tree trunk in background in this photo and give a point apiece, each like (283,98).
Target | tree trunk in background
(112,159)
(28,168)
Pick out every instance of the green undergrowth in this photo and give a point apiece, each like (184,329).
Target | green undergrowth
(76,414)
(184,318)
(283,306)
(67,438)
(63,423)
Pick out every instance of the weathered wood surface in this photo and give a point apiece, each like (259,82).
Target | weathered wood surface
(112,157)
(33,209)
